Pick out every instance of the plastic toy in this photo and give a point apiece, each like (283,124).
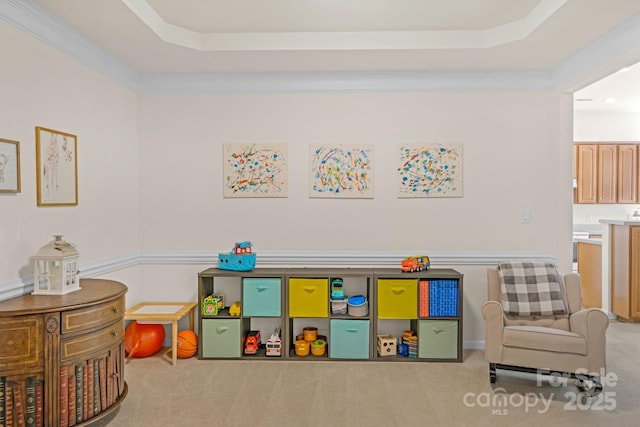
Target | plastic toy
(415,263)
(187,343)
(274,344)
(212,304)
(252,342)
(234,310)
(337,289)
(387,345)
(143,339)
(241,258)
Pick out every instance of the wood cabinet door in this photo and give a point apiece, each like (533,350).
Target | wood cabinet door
(634,285)
(586,173)
(606,174)
(627,173)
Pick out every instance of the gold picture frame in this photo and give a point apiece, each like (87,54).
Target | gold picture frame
(9,166)
(56,167)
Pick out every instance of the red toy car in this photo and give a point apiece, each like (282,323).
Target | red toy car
(252,342)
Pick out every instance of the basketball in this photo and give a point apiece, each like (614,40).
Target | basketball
(187,344)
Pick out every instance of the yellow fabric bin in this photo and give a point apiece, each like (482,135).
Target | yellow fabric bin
(308,297)
(397,298)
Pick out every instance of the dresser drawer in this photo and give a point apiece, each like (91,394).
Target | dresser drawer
(93,317)
(84,345)
(397,299)
(308,297)
(21,342)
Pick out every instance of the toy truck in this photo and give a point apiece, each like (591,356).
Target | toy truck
(415,263)
(252,342)
(274,344)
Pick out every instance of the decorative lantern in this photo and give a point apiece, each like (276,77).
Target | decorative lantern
(55,269)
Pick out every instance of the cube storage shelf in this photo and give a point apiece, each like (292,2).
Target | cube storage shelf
(429,303)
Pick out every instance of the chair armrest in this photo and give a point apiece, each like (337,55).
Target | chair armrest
(592,324)
(494,324)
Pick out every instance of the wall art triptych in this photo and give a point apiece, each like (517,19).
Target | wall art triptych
(342,171)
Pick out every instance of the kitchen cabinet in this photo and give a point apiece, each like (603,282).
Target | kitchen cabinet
(606,173)
(625,271)
(586,173)
(627,173)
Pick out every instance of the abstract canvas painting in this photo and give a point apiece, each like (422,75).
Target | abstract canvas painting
(430,170)
(341,171)
(255,170)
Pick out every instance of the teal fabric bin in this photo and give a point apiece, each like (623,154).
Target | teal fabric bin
(261,297)
(349,339)
(438,339)
(220,338)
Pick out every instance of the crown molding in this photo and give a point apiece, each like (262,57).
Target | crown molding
(620,46)
(24,285)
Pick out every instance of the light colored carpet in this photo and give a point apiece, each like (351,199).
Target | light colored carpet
(346,393)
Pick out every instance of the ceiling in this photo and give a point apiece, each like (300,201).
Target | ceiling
(327,36)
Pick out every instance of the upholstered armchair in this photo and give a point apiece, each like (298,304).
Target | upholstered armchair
(571,343)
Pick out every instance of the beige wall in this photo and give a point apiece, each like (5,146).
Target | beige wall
(151,179)
(40,86)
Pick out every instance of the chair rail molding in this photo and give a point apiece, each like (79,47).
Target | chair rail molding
(24,285)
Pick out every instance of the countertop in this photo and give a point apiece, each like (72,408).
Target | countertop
(587,240)
(619,221)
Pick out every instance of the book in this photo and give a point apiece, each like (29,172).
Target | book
(64,396)
(40,403)
(30,402)
(3,382)
(102,375)
(18,405)
(109,380)
(85,393)
(96,387)
(8,404)
(71,411)
(88,401)
(79,368)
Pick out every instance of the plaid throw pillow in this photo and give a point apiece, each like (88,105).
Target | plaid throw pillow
(531,289)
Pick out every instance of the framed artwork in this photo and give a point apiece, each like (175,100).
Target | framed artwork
(255,170)
(9,166)
(341,171)
(56,168)
(430,170)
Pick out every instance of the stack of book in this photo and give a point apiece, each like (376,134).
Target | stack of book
(21,402)
(411,340)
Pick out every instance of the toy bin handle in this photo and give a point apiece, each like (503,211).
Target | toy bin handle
(262,288)
(309,289)
(398,291)
(351,330)
(221,329)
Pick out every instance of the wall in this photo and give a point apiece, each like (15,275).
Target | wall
(600,126)
(517,155)
(42,87)
(151,179)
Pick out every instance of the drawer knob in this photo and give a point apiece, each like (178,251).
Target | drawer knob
(116,309)
(115,333)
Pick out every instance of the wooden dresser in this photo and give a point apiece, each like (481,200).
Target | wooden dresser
(62,356)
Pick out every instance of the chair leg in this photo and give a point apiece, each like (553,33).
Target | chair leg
(492,373)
